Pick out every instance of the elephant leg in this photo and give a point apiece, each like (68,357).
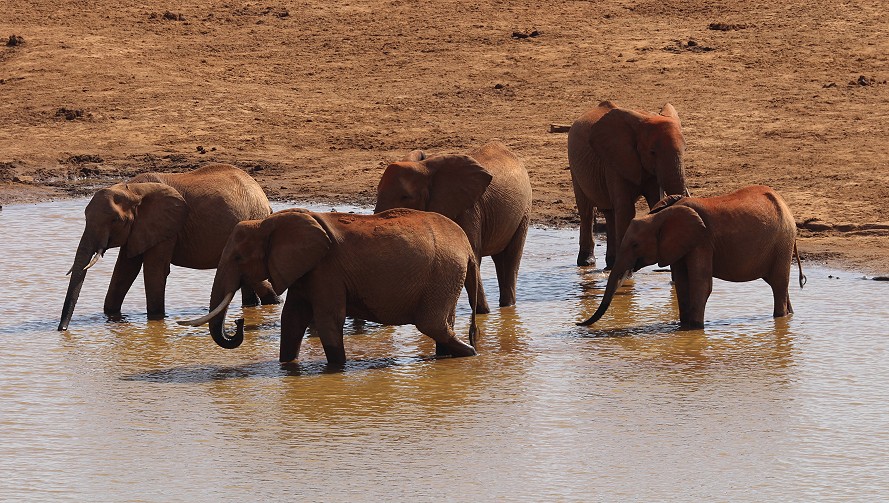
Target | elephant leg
(700,284)
(157,267)
(125,271)
(507,264)
(330,330)
(679,273)
(296,315)
(259,293)
(780,282)
(478,301)
(587,212)
(266,293)
(610,244)
(248,296)
(446,343)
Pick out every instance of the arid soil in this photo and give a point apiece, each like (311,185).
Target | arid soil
(314,98)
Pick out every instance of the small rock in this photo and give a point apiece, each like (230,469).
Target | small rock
(171,16)
(881,278)
(23,179)
(499,86)
(14,40)
(728,27)
(201,150)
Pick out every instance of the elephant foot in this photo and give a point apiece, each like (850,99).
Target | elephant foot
(157,315)
(286,357)
(691,325)
(482,308)
(336,355)
(455,348)
(270,299)
(586,259)
(442,349)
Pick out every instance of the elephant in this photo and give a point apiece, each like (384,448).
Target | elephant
(158,219)
(397,267)
(742,236)
(615,156)
(487,192)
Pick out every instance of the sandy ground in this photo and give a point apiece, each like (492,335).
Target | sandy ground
(314,98)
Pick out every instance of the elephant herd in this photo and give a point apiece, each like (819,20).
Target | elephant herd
(434,220)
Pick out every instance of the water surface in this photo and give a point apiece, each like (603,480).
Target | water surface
(750,408)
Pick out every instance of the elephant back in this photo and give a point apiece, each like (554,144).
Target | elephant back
(218,197)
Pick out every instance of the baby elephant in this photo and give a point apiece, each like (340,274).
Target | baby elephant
(397,267)
(742,236)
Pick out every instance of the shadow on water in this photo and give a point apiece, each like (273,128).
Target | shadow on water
(196,374)
(624,331)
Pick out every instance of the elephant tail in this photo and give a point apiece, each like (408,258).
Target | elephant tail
(802,277)
(472,268)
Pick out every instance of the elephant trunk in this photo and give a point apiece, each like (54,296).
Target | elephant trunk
(225,285)
(671,177)
(85,251)
(620,271)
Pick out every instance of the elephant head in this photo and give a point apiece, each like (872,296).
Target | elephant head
(643,144)
(281,248)
(445,184)
(662,237)
(134,216)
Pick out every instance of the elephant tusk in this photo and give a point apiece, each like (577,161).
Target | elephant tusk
(96,257)
(209,316)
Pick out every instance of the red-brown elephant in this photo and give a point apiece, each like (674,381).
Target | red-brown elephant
(158,219)
(743,236)
(615,156)
(487,192)
(397,267)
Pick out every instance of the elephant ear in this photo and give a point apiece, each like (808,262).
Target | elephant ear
(679,229)
(457,182)
(296,243)
(614,140)
(415,156)
(160,215)
(669,111)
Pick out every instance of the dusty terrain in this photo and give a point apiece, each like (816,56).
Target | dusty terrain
(313,98)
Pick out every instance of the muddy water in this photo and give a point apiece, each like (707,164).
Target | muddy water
(750,408)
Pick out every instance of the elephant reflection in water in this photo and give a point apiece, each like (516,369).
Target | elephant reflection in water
(158,219)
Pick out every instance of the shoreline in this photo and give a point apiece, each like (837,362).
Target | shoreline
(858,248)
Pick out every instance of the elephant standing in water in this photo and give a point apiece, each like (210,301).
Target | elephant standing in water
(615,156)
(158,219)
(487,192)
(397,267)
(743,236)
